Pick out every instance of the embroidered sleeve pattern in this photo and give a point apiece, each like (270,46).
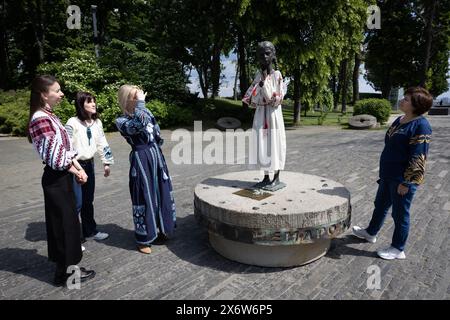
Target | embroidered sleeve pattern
(69,130)
(416,169)
(103,148)
(251,91)
(157,132)
(279,94)
(135,123)
(50,145)
(418,146)
(421,138)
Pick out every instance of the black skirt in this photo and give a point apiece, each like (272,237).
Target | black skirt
(61,219)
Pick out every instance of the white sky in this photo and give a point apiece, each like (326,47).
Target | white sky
(226,89)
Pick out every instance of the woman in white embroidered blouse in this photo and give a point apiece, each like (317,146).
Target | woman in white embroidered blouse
(86,133)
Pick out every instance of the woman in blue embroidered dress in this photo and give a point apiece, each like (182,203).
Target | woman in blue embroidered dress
(150,184)
(402,169)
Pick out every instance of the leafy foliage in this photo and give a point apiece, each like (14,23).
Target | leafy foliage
(14,111)
(79,72)
(396,53)
(379,108)
(162,78)
(168,115)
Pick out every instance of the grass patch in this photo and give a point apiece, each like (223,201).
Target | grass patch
(209,111)
(312,118)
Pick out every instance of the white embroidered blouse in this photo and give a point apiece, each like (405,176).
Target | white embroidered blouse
(88,140)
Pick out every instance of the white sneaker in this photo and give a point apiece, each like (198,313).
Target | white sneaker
(362,234)
(391,253)
(82,248)
(99,236)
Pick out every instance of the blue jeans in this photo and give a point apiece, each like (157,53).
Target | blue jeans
(84,197)
(387,197)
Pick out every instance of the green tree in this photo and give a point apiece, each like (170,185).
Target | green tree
(197,33)
(411,48)
(313,39)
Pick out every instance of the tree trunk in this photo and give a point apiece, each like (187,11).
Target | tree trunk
(339,86)
(203,82)
(386,88)
(215,69)
(344,85)
(356,78)
(334,89)
(235,81)
(297,103)
(4,62)
(431,10)
(38,30)
(242,62)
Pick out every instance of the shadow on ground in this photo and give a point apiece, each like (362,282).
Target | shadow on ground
(189,243)
(339,247)
(27,262)
(119,237)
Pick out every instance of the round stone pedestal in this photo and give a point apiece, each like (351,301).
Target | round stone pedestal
(289,227)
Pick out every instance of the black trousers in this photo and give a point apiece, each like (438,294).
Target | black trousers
(63,226)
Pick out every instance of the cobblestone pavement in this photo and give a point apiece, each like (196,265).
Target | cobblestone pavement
(186,267)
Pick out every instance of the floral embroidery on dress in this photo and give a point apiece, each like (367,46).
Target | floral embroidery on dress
(139,220)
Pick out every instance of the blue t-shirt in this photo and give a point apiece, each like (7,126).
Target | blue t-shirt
(405,151)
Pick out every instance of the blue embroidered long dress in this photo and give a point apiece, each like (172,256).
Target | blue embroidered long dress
(150,183)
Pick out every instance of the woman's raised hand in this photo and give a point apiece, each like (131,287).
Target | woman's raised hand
(140,95)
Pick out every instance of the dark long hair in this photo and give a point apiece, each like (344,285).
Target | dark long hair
(80,99)
(39,85)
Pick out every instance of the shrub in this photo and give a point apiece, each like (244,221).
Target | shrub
(168,115)
(379,108)
(14,112)
(65,110)
(78,72)
(108,107)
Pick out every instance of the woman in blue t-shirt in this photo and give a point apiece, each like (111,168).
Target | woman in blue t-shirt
(402,169)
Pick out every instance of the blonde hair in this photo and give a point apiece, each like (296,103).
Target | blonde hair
(127,98)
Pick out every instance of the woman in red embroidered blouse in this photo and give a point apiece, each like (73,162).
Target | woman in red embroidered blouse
(53,145)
